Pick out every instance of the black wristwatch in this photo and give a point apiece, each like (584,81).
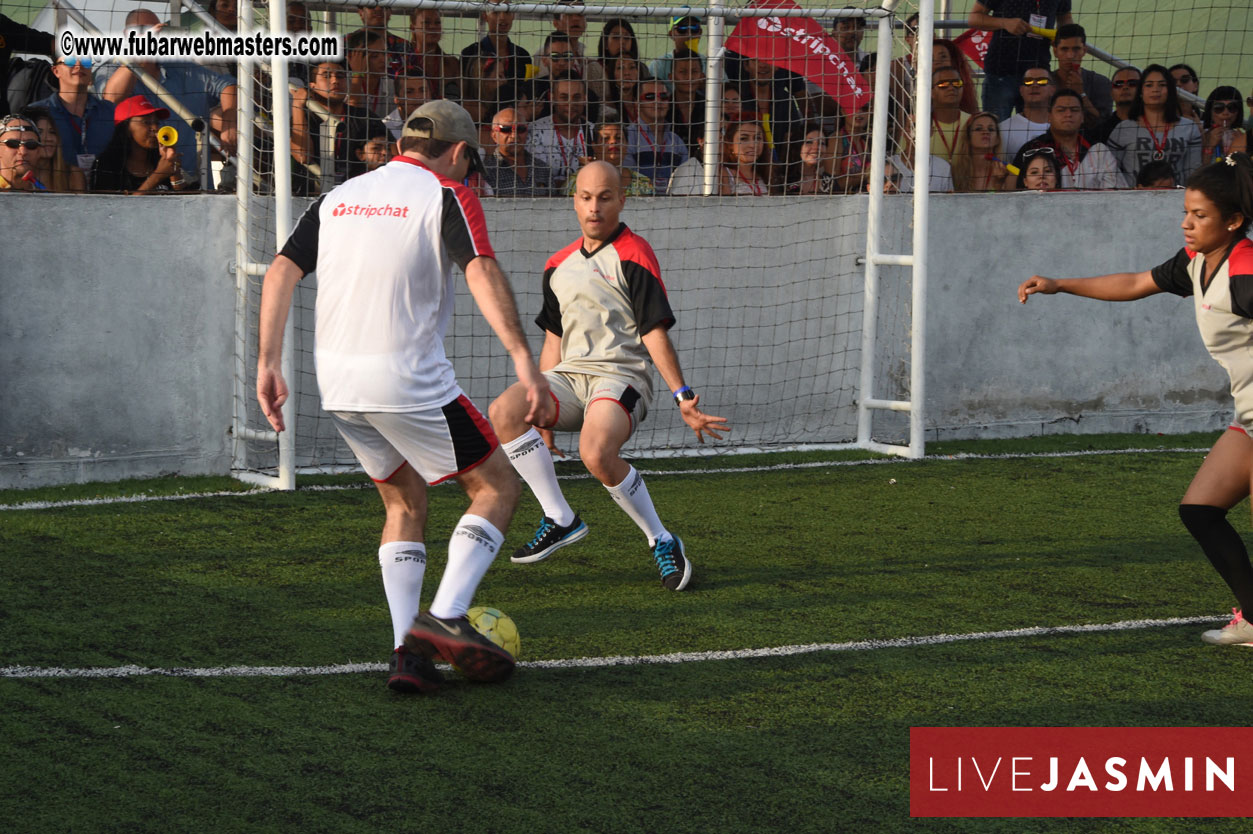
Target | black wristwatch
(684,393)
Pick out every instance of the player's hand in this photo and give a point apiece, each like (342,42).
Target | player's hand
(1036,284)
(271,394)
(1015,26)
(540,406)
(550,440)
(702,423)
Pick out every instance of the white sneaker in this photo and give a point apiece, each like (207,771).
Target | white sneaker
(1238,632)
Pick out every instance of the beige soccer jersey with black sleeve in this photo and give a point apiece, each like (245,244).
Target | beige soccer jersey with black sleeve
(602,303)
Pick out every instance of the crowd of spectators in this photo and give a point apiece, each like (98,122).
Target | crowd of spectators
(1043,122)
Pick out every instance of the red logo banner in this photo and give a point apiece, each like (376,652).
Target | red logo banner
(800,45)
(974,44)
(1081,771)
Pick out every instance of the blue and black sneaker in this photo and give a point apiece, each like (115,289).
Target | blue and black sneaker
(548,538)
(676,570)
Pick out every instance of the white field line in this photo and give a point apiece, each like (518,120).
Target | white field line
(652,473)
(28,672)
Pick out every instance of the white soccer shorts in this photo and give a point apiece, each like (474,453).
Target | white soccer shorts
(439,443)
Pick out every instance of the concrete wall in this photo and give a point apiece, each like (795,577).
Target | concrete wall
(116,328)
(1061,364)
(116,321)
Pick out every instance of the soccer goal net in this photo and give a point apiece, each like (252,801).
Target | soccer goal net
(749,134)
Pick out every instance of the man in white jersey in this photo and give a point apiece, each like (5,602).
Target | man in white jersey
(605,316)
(384,245)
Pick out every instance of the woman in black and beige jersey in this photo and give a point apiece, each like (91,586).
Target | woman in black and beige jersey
(1216,268)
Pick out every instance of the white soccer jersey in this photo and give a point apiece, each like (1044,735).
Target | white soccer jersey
(383,245)
(1224,313)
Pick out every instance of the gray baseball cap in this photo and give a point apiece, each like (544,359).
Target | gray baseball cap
(448,121)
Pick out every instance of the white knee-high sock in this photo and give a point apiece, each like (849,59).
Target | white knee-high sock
(474,544)
(632,496)
(403,565)
(532,460)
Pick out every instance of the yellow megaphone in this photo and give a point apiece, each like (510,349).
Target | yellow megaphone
(1049,34)
(167,137)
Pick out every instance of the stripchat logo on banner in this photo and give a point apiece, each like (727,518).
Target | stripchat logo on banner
(1081,771)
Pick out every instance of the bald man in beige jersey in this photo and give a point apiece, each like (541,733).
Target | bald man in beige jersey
(605,317)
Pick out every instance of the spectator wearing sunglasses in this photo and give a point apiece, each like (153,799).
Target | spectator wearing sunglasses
(609,145)
(947,54)
(511,170)
(1039,172)
(1186,80)
(1069,48)
(14,37)
(1036,89)
(1085,165)
(560,59)
(84,120)
(1125,83)
(947,118)
(19,147)
(1156,129)
(1014,47)
(134,162)
(1221,121)
(685,33)
(49,164)
(653,148)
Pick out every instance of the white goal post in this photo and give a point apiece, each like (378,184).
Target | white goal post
(801,318)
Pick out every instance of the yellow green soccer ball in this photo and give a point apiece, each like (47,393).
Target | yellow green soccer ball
(496,626)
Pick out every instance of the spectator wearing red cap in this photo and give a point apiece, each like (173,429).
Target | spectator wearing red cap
(205,94)
(134,161)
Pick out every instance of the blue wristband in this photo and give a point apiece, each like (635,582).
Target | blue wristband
(681,390)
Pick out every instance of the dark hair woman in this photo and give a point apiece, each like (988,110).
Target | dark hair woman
(1217,263)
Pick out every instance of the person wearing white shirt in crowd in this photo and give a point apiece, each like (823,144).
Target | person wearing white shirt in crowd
(559,140)
(1082,164)
(1036,89)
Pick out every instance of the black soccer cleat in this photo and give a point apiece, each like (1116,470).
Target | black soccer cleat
(457,642)
(672,563)
(412,673)
(549,538)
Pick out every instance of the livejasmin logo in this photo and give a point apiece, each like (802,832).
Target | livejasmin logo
(1021,772)
(1080,772)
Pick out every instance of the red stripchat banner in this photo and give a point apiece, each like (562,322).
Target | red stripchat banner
(1081,771)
